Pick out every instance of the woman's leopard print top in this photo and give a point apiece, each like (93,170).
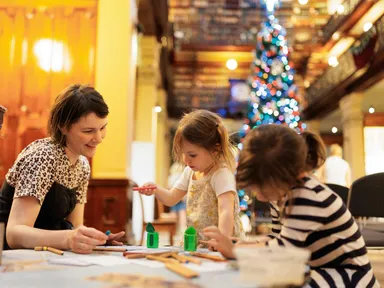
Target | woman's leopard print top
(44,162)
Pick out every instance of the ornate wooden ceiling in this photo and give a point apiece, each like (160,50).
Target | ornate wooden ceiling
(232,25)
(203,34)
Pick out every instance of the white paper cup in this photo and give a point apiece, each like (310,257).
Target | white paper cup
(267,267)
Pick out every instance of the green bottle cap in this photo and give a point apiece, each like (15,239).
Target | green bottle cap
(190,239)
(150,228)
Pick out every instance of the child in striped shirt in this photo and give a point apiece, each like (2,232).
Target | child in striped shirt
(273,165)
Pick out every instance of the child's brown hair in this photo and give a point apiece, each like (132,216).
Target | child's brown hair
(272,155)
(205,129)
(317,154)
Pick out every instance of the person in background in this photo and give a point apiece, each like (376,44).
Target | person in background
(273,165)
(336,170)
(43,196)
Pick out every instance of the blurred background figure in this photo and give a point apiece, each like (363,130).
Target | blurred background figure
(336,170)
(179,210)
(2,111)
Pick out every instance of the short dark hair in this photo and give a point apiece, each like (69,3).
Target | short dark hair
(272,155)
(70,105)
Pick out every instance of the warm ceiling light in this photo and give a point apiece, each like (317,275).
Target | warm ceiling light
(371,110)
(367,26)
(297,10)
(336,36)
(303,2)
(231,64)
(179,34)
(332,61)
(340,9)
(334,130)
(157,109)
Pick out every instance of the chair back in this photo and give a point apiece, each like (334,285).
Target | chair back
(342,191)
(367,196)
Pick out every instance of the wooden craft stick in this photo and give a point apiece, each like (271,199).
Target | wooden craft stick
(188,259)
(110,249)
(179,258)
(50,249)
(208,256)
(181,270)
(162,259)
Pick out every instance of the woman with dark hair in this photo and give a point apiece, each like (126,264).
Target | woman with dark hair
(43,196)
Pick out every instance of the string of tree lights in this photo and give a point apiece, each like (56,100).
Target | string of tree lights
(274,96)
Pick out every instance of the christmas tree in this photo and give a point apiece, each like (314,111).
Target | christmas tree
(274,96)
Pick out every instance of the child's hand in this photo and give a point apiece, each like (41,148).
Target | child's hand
(112,239)
(219,242)
(148,188)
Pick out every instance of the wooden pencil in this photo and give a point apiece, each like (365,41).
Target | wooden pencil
(110,249)
(50,249)
(136,255)
(181,270)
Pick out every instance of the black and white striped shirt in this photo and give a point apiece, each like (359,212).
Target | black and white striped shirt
(317,219)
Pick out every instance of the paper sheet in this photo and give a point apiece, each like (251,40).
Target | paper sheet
(104,260)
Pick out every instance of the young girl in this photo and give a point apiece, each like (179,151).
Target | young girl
(202,143)
(273,166)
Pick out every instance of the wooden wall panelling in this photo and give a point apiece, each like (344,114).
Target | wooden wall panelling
(108,205)
(330,139)
(42,50)
(376,119)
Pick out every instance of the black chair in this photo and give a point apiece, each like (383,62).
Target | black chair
(367,196)
(342,191)
(367,200)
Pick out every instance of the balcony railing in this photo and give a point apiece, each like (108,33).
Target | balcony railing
(337,18)
(334,76)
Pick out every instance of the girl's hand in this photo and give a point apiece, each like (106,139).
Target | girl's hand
(152,188)
(84,239)
(112,239)
(219,242)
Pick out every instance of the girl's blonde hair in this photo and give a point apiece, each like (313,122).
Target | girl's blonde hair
(205,129)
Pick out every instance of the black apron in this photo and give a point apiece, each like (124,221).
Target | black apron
(57,205)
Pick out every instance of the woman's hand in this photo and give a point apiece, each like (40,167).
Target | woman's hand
(84,239)
(152,188)
(112,239)
(219,242)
